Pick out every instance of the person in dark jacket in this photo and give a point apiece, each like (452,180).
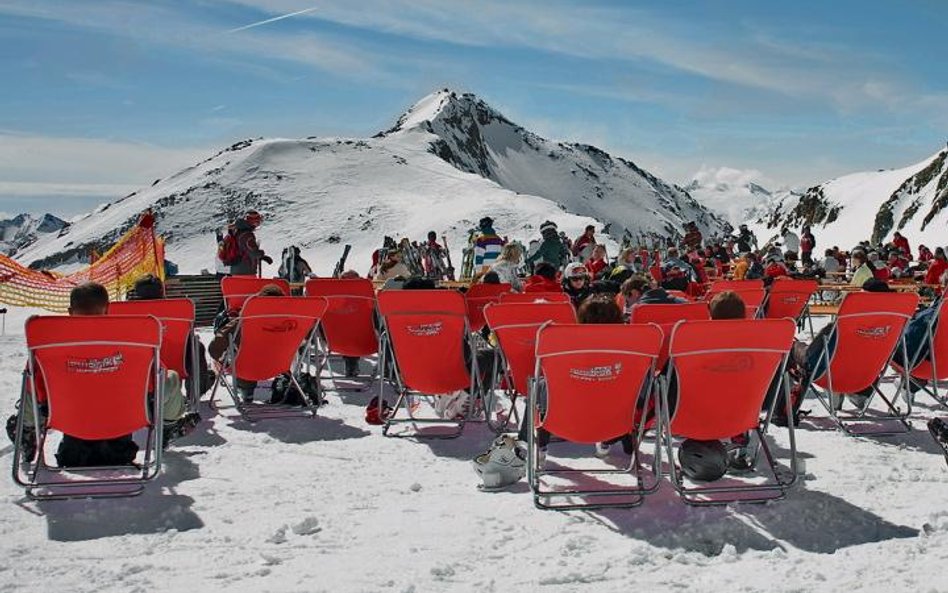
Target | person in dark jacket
(552,250)
(250,253)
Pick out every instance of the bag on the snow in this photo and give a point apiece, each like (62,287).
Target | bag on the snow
(74,452)
(284,392)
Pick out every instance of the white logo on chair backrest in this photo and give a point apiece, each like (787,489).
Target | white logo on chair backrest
(426,329)
(609,372)
(874,333)
(106,364)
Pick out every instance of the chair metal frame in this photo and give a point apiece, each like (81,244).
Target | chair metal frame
(322,347)
(722,495)
(299,365)
(194,376)
(535,469)
(827,396)
(388,361)
(27,473)
(502,369)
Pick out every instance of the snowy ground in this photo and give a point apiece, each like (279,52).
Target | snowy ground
(331,505)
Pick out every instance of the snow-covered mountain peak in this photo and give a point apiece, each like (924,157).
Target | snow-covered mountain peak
(448,161)
(24,229)
(446,108)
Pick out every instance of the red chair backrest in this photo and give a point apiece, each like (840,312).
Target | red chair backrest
(666,316)
(788,298)
(723,370)
(479,296)
(96,371)
(939,349)
(533,297)
(271,331)
(735,285)
(515,325)
(177,327)
(237,289)
(348,323)
(595,375)
(867,327)
(427,330)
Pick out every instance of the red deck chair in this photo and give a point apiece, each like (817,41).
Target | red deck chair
(348,327)
(534,297)
(427,343)
(735,285)
(866,333)
(270,335)
(178,340)
(656,273)
(719,376)
(237,289)
(934,368)
(666,316)
(791,299)
(96,374)
(515,327)
(479,296)
(753,299)
(594,377)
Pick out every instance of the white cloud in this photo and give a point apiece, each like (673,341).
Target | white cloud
(715,176)
(751,58)
(32,165)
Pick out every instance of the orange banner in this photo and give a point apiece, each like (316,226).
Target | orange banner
(137,252)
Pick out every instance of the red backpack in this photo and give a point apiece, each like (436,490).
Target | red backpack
(228,250)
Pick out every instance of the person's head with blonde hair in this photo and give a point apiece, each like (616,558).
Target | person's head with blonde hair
(512,252)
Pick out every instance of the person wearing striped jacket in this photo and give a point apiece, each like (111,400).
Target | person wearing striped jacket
(487,245)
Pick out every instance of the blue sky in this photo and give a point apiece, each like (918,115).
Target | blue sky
(101,97)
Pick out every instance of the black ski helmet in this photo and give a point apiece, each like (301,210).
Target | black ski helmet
(704,461)
(485,222)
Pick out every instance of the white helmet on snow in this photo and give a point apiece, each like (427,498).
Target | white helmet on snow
(505,463)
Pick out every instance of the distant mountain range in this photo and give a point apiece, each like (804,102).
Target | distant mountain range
(24,229)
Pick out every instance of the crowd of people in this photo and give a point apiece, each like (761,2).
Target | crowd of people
(603,290)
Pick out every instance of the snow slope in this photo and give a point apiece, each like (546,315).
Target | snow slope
(322,193)
(871,206)
(331,505)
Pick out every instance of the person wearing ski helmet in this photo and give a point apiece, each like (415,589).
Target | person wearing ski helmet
(487,245)
(250,253)
(551,250)
(576,283)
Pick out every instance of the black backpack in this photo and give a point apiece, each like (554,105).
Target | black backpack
(75,452)
(284,392)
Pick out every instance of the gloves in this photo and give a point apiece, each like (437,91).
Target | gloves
(267,259)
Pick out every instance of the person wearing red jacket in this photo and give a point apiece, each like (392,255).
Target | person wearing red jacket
(596,262)
(937,267)
(902,244)
(924,254)
(543,279)
(587,239)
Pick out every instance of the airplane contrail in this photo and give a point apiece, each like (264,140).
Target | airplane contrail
(274,19)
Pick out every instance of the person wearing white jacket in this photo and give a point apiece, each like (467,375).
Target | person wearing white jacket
(507,266)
